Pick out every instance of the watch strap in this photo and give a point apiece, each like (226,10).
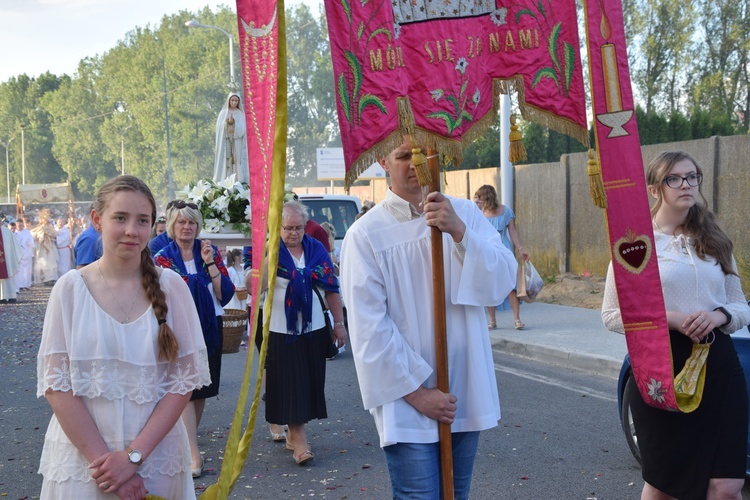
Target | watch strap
(726,313)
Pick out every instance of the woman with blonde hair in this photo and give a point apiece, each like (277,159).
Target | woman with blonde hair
(200,265)
(121,352)
(502,218)
(701,454)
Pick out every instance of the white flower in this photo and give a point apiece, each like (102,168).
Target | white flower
(199,191)
(221,203)
(498,16)
(228,183)
(242,193)
(213,225)
(437,94)
(248,214)
(476,97)
(461,65)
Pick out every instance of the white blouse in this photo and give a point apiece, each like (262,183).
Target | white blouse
(689,284)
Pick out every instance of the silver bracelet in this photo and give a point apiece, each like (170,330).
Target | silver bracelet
(339,323)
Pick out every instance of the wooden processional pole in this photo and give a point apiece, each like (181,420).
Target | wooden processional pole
(441,343)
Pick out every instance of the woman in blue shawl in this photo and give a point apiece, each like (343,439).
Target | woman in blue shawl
(298,338)
(201,266)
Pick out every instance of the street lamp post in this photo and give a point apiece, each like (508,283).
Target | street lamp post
(23,156)
(170,181)
(7,168)
(195,24)
(122,149)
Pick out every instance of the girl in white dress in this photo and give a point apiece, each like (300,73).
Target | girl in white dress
(121,352)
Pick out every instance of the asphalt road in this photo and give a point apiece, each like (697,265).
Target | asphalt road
(559,436)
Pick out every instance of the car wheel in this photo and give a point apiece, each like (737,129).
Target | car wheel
(627,422)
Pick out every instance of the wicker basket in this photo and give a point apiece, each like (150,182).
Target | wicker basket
(235,326)
(241,294)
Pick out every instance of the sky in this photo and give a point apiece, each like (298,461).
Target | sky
(54,35)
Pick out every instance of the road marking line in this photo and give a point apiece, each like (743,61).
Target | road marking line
(555,383)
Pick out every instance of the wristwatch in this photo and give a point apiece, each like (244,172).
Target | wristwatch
(726,313)
(134,456)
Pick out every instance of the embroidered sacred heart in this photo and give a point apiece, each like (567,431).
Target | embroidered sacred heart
(633,251)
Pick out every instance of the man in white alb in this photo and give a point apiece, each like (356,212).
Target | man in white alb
(64,247)
(26,242)
(387,283)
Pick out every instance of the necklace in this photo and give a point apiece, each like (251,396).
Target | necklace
(137,293)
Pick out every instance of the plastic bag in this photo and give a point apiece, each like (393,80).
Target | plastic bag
(529,282)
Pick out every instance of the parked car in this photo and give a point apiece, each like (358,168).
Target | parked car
(741,343)
(338,209)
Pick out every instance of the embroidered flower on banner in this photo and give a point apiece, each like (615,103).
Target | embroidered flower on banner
(461,65)
(498,16)
(655,390)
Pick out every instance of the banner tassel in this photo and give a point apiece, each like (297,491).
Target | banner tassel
(419,160)
(517,149)
(596,186)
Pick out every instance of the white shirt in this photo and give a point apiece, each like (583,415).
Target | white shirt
(689,284)
(387,284)
(278,311)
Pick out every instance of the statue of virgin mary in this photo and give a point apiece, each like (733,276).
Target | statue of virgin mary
(231,141)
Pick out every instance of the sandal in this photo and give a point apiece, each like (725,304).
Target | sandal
(519,325)
(492,325)
(304,457)
(198,471)
(278,437)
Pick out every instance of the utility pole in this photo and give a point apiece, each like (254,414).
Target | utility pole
(170,182)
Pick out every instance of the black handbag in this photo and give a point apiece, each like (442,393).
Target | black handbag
(331,350)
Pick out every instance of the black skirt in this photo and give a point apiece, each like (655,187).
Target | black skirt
(681,452)
(214,368)
(295,377)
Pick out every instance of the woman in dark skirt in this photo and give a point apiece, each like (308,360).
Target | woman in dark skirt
(298,337)
(701,454)
(201,266)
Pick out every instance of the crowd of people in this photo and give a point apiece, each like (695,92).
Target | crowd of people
(132,339)
(46,250)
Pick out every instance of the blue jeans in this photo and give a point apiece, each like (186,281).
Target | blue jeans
(415,467)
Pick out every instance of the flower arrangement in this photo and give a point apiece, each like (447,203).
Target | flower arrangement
(223,205)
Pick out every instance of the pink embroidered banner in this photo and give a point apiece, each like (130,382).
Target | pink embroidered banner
(628,216)
(436,69)
(258,41)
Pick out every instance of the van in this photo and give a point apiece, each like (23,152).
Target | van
(337,209)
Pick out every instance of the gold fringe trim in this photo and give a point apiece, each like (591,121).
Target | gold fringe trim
(453,148)
(596,186)
(517,150)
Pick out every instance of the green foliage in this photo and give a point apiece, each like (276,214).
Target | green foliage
(543,145)
(77,125)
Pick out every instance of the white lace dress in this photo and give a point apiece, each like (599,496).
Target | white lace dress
(114,368)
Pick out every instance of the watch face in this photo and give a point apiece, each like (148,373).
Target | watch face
(135,456)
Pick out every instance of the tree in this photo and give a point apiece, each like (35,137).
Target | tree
(312,110)
(660,40)
(723,87)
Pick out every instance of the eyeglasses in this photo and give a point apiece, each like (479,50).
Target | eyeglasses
(675,181)
(293,229)
(161,220)
(179,205)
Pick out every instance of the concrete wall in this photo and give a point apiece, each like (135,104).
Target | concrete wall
(563,230)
